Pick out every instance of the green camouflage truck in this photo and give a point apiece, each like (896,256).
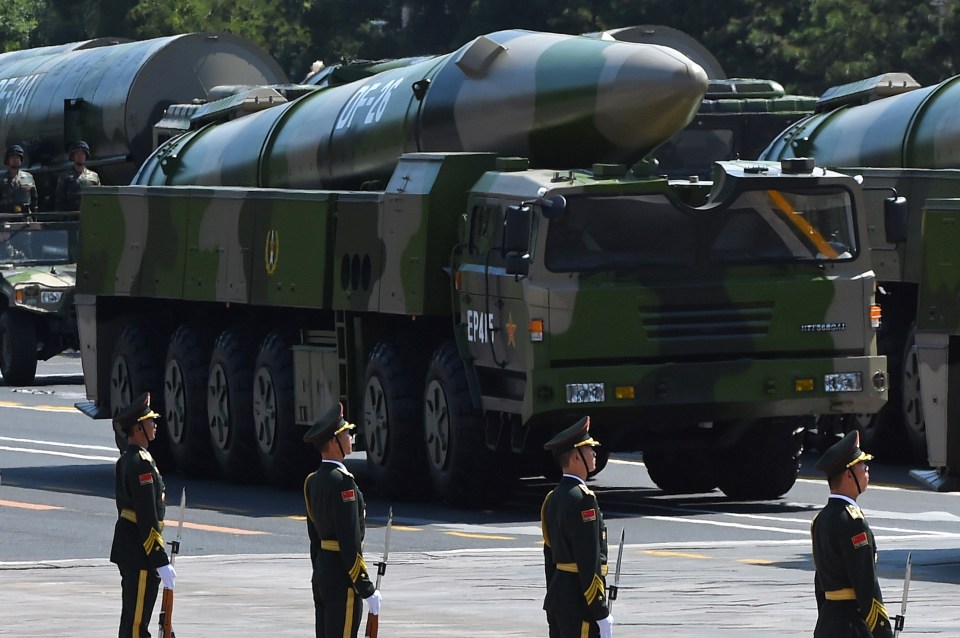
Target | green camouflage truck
(456,249)
(37,275)
(900,140)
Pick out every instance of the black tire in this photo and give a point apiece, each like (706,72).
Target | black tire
(185,399)
(284,457)
(911,402)
(764,463)
(463,470)
(678,470)
(136,366)
(230,405)
(18,348)
(392,427)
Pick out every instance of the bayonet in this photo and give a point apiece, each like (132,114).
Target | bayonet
(373,622)
(899,618)
(614,589)
(166,604)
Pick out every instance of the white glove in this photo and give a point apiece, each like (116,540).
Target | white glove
(373,602)
(167,576)
(606,627)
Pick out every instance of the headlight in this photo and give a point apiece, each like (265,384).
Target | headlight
(585,393)
(843,382)
(51,296)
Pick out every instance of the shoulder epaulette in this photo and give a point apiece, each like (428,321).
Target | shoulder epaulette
(854,512)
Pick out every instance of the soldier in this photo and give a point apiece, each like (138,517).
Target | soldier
(69,184)
(18,191)
(844,553)
(575,542)
(335,524)
(137,544)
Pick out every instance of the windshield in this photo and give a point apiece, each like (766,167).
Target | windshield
(32,247)
(766,226)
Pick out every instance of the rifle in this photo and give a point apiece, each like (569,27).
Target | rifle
(899,618)
(373,622)
(614,589)
(166,603)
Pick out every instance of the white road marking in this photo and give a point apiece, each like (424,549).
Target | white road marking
(85,457)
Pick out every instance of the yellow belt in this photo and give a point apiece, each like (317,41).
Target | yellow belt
(846,593)
(330,545)
(128,514)
(572,568)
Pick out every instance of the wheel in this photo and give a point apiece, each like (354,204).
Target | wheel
(230,404)
(764,463)
(463,470)
(137,367)
(185,399)
(18,348)
(679,470)
(284,457)
(392,421)
(915,426)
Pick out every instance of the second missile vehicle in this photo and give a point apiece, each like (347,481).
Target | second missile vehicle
(457,250)
(900,139)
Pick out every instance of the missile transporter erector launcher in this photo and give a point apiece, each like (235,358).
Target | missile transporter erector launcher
(900,141)
(479,301)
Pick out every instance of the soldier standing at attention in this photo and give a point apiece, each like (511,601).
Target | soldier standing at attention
(137,544)
(69,184)
(575,542)
(844,553)
(335,524)
(18,191)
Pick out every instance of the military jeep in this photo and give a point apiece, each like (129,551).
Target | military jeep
(37,278)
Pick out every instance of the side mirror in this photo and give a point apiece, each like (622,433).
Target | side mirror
(895,219)
(516,239)
(516,230)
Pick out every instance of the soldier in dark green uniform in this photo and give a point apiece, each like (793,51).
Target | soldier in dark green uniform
(844,553)
(335,524)
(575,542)
(70,183)
(18,191)
(137,544)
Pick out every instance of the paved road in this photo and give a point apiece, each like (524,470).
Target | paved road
(693,566)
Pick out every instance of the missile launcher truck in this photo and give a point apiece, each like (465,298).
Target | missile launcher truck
(109,93)
(900,140)
(456,249)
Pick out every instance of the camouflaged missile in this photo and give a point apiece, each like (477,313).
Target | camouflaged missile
(884,121)
(561,101)
(110,96)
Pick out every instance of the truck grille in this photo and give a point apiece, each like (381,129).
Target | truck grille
(667,323)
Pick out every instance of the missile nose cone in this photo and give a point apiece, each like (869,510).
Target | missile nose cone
(651,93)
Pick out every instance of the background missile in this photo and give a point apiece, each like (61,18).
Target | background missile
(561,101)
(913,128)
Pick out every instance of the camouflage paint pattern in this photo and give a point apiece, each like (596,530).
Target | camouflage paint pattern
(561,101)
(116,94)
(915,129)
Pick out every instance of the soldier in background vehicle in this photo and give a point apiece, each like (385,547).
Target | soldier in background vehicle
(575,542)
(70,183)
(137,544)
(844,552)
(18,191)
(336,526)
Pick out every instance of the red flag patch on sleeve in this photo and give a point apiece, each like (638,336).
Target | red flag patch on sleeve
(588,515)
(145,479)
(348,495)
(859,540)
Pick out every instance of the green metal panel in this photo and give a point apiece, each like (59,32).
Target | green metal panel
(938,308)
